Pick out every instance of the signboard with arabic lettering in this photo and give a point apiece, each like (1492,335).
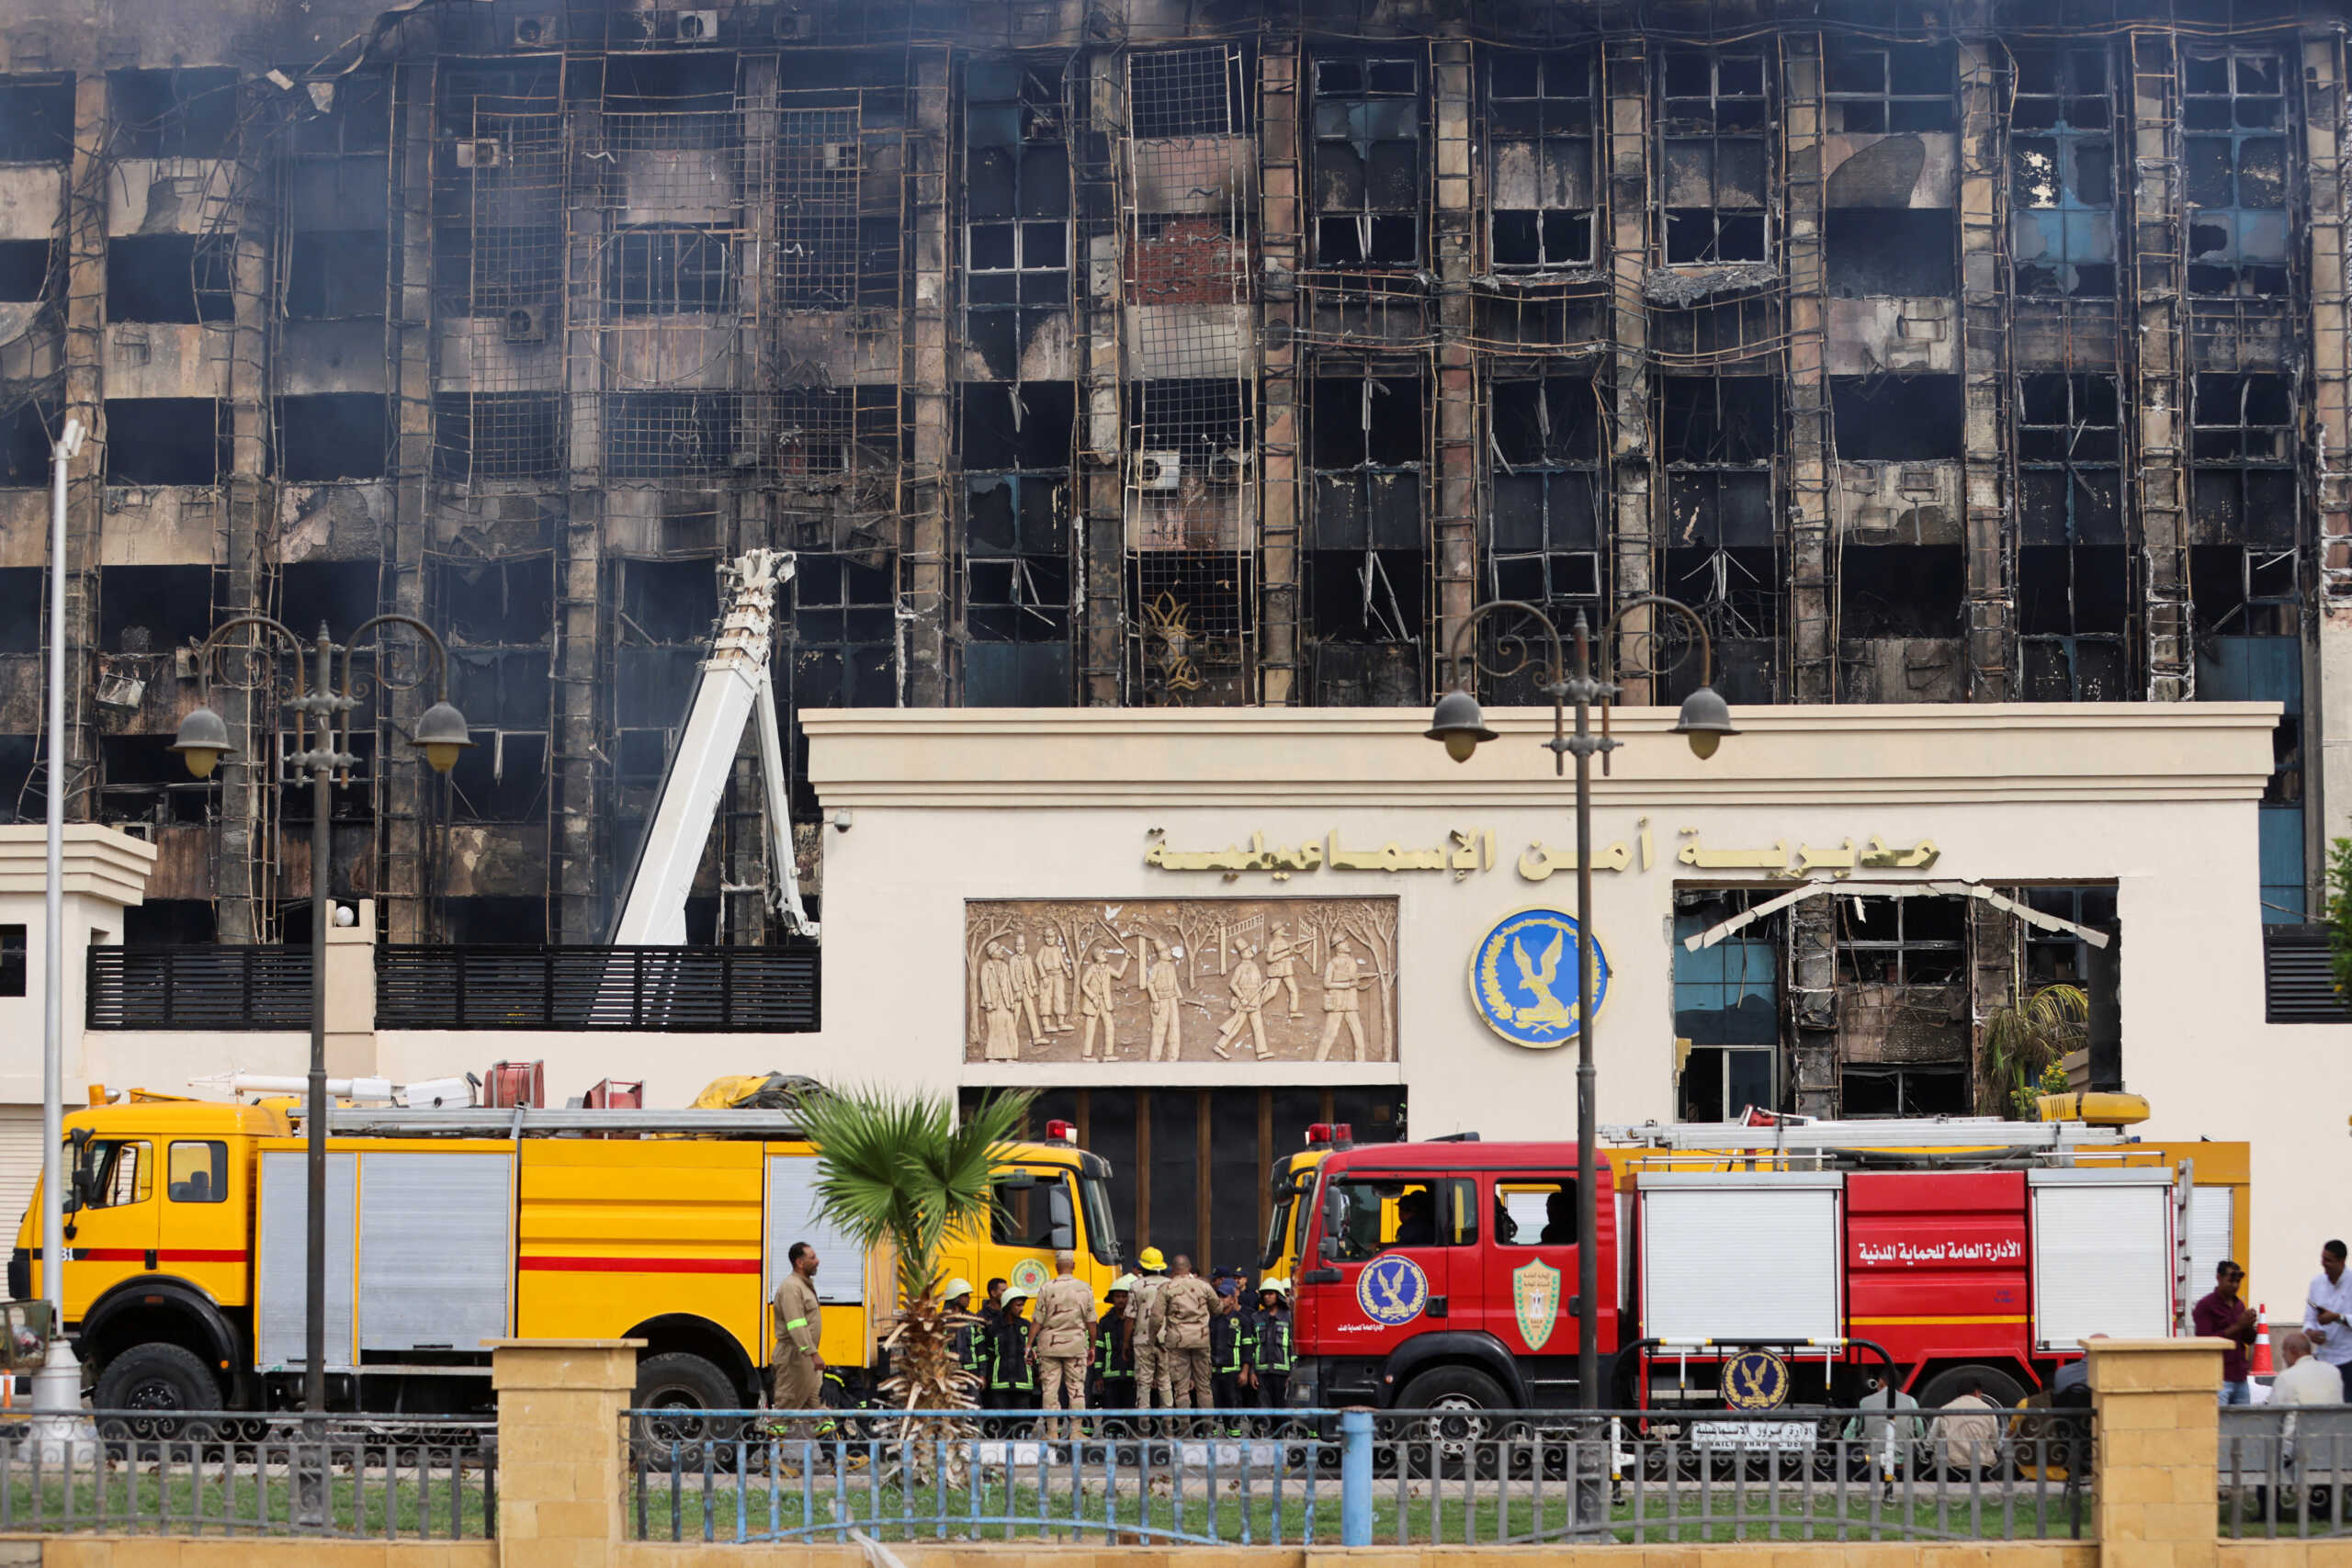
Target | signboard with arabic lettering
(1465,852)
(1181,980)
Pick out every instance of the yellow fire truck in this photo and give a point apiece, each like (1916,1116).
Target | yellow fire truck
(184,1284)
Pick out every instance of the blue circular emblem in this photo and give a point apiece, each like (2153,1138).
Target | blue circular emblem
(1523,978)
(1392,1290)
(1756,1379)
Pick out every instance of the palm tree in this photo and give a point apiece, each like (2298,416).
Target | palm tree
(2024,1041)
(897,1169)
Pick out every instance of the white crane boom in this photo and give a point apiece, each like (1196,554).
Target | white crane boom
(735,688)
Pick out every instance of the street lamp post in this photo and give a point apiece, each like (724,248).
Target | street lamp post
(57,1387)
(323,728)
(1705,718)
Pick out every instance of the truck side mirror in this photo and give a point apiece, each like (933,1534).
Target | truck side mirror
(1015,1180)
(1329,1248)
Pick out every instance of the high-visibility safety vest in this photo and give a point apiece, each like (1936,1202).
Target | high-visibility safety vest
(1274,1352)
(1008,1368)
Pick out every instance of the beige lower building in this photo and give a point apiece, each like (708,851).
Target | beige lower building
(1196,932)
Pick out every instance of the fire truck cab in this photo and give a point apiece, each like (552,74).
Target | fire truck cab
(1443,1275)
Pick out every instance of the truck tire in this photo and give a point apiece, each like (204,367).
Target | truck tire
(679,1384)
(1459,1433)
(1945,1386)
(153,1391)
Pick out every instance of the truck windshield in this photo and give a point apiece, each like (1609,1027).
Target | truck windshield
(1290,1207)
(1102,1230)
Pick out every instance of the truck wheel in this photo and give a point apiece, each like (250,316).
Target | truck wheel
(1459,1431)
(1946,1386)
(675,1387)
(146,1388)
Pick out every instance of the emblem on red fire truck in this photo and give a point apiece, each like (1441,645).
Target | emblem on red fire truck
(1756,1379)
(1392,1290)
(1535,1293)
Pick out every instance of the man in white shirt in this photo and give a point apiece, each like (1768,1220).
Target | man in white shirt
(2306,1380)
(2327,1315)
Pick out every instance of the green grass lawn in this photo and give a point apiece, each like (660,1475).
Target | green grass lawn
(1439,1513)
(128,1500)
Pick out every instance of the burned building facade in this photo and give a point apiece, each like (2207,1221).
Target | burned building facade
(1137,353)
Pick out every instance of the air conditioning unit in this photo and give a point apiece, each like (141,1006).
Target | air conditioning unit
(536,32)
(839,155)
(525,323)
(794,22)
(1229,466)
(697,26)
(1159,470)
(483,152)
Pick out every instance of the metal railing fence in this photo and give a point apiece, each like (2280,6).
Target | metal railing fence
(1358,1478)
(233,1473)
(2286,1470)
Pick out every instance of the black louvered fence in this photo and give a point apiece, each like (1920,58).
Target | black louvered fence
(671,989)
(199,988)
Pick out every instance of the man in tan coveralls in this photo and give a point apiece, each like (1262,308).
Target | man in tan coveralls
(1143,1315)
(799,1326)
(1063,1342)
(1185,1311)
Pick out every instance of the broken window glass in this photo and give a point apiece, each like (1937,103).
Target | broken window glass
(2242,459)
(668,270)
(1540,113)
(1711,112)
(1368,180)
(2061,173)
(1543,540)
(1017,538)
(2234,168)
(1875,87)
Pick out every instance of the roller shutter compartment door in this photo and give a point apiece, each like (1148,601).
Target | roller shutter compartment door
(793,1215)
(436,1249)
(283,1227)
(2102,1255)
(1741,1255)
(19,1160)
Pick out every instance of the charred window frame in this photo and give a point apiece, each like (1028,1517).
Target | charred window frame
(187,113)
(1016,449)
(652,436)
(1016,190)
(499,176)
(36,119)
(2241,457)
(355,122)
(1868,1092)
(1367,547)
(2235,169)
(182,278)
(494,436)
(666,610)
(1875,87)
(1716,439)
(1885,941)
(1369,189)
(165,440)
(504,694)
(669,270)
(2054,958)
(842,648)
(1176,92)
(1541,116)
(818,163)
(1712,107)
(2061,173)
(1543,541)
(335,274)
(2073,572)
(145,782)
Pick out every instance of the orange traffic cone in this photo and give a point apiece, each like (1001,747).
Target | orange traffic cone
(2258,1360)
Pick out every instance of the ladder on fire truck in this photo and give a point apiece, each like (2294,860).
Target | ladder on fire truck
(526,1121)
(736,687)
(1801,1136)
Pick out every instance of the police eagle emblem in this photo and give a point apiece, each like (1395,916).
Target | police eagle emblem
(1392,1290)
(1523,978)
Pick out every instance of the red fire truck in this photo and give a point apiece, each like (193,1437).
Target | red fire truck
(1443,1274)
